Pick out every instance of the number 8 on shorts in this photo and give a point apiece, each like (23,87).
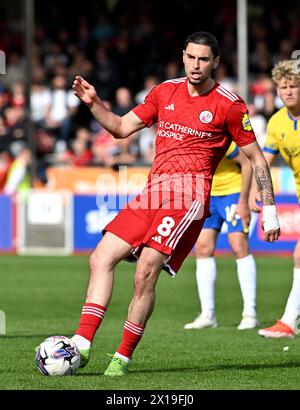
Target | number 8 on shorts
(164,229)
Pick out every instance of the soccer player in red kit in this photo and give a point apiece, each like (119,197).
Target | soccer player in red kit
(196,121)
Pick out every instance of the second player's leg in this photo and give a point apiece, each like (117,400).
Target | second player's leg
(292,309)
(206,243)
(246,271)
(109,251)
(206,274)
(287,325)
(239,244)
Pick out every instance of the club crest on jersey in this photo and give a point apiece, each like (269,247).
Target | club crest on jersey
(205,117)
(246,123)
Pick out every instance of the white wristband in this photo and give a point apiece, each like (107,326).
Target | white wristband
(269,210)
(269,218)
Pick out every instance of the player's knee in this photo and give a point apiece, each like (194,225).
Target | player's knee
(143,280)
(99,261)
(240,250)
(94,259)
(204,250)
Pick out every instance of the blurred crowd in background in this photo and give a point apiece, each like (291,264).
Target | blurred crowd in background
(123,48)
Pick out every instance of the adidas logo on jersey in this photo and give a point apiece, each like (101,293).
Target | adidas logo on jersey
(170,107)
(157,239)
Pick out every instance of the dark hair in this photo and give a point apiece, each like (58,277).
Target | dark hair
(205,38)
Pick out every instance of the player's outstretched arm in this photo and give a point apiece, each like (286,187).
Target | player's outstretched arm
(119,127)
(265,186)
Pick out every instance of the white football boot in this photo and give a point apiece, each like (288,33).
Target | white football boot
(248,322)
(201,322)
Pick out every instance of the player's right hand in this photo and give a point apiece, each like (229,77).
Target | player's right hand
(84,90)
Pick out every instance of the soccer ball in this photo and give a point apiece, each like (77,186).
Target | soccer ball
(57,356)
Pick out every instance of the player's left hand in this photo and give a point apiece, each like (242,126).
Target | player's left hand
(270,223)
(272,236)
(243,211)
(254,197)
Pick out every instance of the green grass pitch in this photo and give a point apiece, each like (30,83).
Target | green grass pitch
(43,296)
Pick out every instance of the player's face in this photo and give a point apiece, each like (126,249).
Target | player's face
(198,62)
(289,92)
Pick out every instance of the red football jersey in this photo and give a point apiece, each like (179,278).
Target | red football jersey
(193,133)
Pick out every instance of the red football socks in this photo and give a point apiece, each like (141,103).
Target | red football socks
(91,318)
(132,334)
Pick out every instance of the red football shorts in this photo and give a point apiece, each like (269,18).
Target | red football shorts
(169,228)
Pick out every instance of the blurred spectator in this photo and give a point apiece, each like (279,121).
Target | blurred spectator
(15,124)
(103,148)
(79,153)
(110,152)
(83,134)
(172,70)
(39,75)
(260,85)
(80,66)
(63,106)
(18,94)
(286,47)
(4,100)
(83,34)
(259,124)
(265,99)
(18,177)
(260,58)
(40,101)
(103,144)
(55,57)
(45,149)
(14,70)
(126,151)
(151,81)
(123,101)
(145,138)
(46,142)
(5,162)
(3,129)
(4,137)
(146,141)
(125,58)
(105,74)
(103,29)
(222,77)
(268,104)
